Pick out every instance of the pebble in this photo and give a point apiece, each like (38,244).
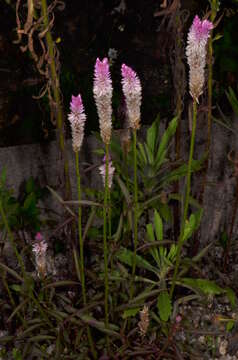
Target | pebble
(223,347)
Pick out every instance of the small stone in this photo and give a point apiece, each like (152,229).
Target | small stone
(223,347)
(202,339)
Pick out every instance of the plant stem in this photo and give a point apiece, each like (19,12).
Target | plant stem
(105,249)
(109,216)
(209,113)
(56,92)
(135,214)
(186,202)
(81,251)
(179,101)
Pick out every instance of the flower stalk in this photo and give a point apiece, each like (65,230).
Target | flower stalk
(131,87)
(77,120)
(196,56)
(186,202)
(102,90)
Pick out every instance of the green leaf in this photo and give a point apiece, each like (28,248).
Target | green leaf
(164,305)
(180,172)
(151,237)
(150,232)
(100,325)
(12,272)
(230,325)
(231,296)
(165,211)
(16,287)
(30,203)
(192,224)
(158,226)
(30,185)
(142,154)
(232,100)
(126,256)
(151,136)
(163,147)
(206,286)
(124,190)
(62,283)
(217,37)
(3,176)
(99,152)
(41,338)
(130,313)
(172,252)
(149,154)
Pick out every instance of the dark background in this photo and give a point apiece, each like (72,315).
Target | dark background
(85,30)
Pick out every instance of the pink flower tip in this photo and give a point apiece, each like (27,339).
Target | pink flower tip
(76,104)
(201,28)
(128,72)
(38,237)
(102,68)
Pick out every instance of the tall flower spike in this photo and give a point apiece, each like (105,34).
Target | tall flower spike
(77,120)
(102,90)
(196,55)
(111,170)
(131,87)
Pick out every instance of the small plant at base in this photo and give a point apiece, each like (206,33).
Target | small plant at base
(39,249)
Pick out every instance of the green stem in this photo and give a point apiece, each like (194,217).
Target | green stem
(105,249)
(109,216)
(56,92)
(186,202)
(81,251)
(209,86)
(135,214)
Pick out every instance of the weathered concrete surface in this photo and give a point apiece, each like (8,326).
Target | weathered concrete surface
(43,162)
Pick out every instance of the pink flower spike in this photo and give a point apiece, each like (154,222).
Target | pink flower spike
(131,87)
(102,90)
(77,120)
(196,55)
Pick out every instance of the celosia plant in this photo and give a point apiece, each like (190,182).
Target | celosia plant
(196,55)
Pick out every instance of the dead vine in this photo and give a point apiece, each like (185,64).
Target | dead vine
(31,32)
